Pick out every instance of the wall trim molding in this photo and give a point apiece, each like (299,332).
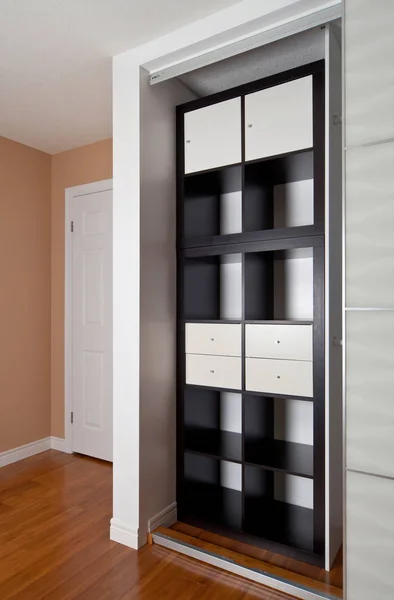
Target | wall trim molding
(16,454)
(165,518)
(60,444)
(123,534)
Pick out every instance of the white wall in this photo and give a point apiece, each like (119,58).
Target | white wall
(126,300)
(333,268)
(158,296)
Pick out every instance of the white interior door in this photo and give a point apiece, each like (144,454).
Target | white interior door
(91,323)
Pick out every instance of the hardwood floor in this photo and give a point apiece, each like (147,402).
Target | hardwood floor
(54,542)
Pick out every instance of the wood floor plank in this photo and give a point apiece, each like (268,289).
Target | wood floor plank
(55,511)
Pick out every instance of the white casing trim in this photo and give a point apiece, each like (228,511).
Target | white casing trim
(120,532)
(15,454)
(60,444)
(165,518)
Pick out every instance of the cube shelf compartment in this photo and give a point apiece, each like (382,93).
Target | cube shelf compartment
(272,519)
(213,203)
(213,288)
(212,491)
(279,285)
(278,192)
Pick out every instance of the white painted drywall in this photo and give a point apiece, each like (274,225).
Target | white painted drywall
(157,458)
(333,307)
(126,300)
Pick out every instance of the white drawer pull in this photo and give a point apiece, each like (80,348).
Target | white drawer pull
(212,339)
(250,125)
(211,371)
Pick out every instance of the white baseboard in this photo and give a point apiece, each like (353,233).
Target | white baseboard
(11,456)
(120,532)
(60,444)
(165,518)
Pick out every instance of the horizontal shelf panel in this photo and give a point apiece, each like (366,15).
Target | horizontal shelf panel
(278,157)
(224,445)
(272,245)
(215,321)
(253,236)
(250,321)
(278,455)
(271,395)
(277,322)
(214,504)
(248,392)
(216,389)
(213,170)
(280,522)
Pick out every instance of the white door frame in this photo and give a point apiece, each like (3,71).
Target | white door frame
(197,40)
(70,194)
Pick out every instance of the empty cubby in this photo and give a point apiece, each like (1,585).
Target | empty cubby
(213,491)
(267,515)
(279,435)
(213,288)
(279,192)
(279,285)
(213,203)
(213,423)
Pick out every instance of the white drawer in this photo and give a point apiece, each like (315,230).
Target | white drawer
(292,342)
(207,338)
(214,371)
(288,377)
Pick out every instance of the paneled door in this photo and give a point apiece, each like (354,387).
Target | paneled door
(91,323)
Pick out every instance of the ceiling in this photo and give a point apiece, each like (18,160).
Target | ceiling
(290,52)
(55,62)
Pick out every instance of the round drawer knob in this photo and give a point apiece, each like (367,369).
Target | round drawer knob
(278,377)
(250,125)
(211,371)
(278,341)
(211,339)
(187,141)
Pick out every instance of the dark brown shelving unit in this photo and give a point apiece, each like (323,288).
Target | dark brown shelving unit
(257,253)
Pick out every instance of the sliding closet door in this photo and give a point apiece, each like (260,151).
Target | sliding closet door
(369,299)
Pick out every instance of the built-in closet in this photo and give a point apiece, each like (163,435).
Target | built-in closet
(259,316)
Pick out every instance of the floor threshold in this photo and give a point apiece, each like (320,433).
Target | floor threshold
(252,574)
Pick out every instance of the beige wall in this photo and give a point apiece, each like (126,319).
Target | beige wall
(75,167)
(25,294)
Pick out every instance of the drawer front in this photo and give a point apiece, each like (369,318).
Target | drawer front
(291,342)
(288,377)
(218,339)
(279,119)
(214,371)
(213,136)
